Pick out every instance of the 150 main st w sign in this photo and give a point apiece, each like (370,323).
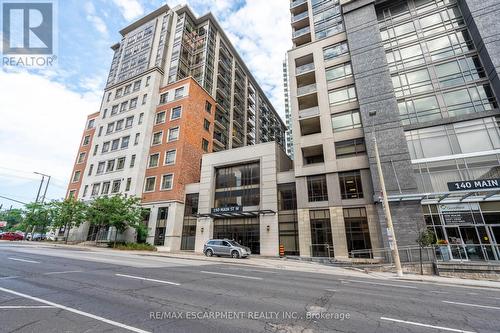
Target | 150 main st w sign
(479,184)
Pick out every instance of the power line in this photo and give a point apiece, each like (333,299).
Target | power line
(1,196)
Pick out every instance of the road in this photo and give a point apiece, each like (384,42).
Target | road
(45,289)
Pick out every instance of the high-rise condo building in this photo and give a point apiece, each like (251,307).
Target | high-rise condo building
(288,111)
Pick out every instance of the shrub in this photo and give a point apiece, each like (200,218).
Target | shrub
(132,246)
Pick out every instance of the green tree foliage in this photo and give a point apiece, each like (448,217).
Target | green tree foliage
(38,216)
(13,217)
(67,214)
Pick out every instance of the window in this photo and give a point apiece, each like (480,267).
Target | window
(350,185)
(208,107)
(132,161)
(133,103)
(136,140)
(157,138)
(105,112)
(339,72)
(110,166)
(206,125)
(100,131)
(105,147)
(342,95)
(335,50)
(137,85)
(76,176)
(114,144)
(85,190)
(125,141)
(237,185)
(350,148)
(160,117)
(91,168)
(100,168)
(316,188)
(167,182)
(179,93)
(141,118)
(356,229)
(175,113)
(118,93)
(114,110)
(204,145)
(147,81)
(91,124)
(96,148)
(110,128)
(109,97)
(105,187)
(153,160)
(346,121)
(95,189)
(127,90)
(129,122)
(173,134)
(164,98)
(123,106)
(119,125)
(116,186)
(127,184)
(419,110)
(86,140)
(170,157)
(149,186)
(411,82)
(120,163)
(81,158)
(144,99)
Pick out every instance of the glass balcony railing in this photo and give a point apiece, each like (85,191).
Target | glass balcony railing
(309,112)
(301,32)
(300,16)
(296,3)
(304,68)
(310,88)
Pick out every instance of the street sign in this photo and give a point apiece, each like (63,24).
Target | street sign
(232,209)
(479,184)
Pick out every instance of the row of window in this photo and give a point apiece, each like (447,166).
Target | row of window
(119,125)
(105,188)
(166,183)
(350,186)
(120,143)
(154,159)
(173,135)
(175,113)
(129,88)
(178,93)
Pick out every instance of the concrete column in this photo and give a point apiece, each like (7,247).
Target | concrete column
(269,240)
(304,225)
(373,227)
(338,233)
(152,225)
(204,232)
(173,230)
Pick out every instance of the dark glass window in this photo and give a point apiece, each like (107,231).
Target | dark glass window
(350,185)
(350,148)
(237,185)
(287,218)
(316,188)
(189,223)
(357,232)
(321,233)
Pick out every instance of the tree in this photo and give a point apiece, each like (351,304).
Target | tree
(13,217)
(425,238)
(38,216)
(117,211)
(68,214)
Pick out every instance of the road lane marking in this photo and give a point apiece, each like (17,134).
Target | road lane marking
(146,279)
(474,305)
(82,313)
(426,325)
(383,284)
(233,275)
(439,292)
(332,290)
(25,260)
(27,307)
(62,272)
(8,277)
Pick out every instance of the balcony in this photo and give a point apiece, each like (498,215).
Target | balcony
(301,32)
(304,68)
(302,36)
(309,112)
(306,90)
(297,6)
(300,20)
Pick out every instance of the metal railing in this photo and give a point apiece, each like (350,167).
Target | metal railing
(301,32)
(310,88)
(296,3)
(300,16)
(304,68)
(321,250)
(406,254)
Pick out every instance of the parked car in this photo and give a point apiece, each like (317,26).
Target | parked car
(225,247)
(11,236)
(38,237)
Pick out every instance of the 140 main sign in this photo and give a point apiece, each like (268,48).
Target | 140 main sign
(480,184)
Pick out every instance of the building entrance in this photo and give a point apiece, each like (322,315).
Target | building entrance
(245,231)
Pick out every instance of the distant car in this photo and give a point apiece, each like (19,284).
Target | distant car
(225,247)
(38,237)
(11,236)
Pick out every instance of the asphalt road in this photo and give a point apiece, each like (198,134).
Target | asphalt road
(63,290)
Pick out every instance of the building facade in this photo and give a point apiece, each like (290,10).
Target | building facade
(420,75)
(176,89)
(288,111)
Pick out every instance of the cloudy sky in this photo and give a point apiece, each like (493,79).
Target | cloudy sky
(42,112)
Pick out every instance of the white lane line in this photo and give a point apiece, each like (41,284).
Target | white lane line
(233,275)
(426,325)
(86,314)
(25,260)
(63,272)
(383,284)
(8,277)
(439,292)
(146,279)
(474,305)
(332,290)
(27,307)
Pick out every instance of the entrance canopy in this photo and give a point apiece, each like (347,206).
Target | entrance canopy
(450,197)
(250,213)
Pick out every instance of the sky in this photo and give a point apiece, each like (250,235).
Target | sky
(43,112)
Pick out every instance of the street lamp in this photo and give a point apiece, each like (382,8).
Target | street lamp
(390,228)
(46,185)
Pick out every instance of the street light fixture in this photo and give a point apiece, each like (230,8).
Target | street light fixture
(390,228)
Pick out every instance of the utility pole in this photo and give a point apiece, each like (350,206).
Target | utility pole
(390,228)
(46,187)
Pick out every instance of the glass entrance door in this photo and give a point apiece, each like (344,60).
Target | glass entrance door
(245,231)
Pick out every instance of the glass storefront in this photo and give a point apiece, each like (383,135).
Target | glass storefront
(321,233)
(161,226)
(465,231)
(287,218)
(189,222)
(245,231)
